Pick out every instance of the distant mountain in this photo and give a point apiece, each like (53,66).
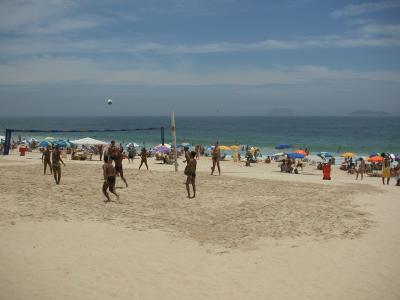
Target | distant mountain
(365,112)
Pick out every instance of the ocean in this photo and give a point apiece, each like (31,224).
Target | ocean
(333,134)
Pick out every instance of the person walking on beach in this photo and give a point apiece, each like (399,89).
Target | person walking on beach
(197,149)
(385,168)
(109,178)
(216,153)
(190,172)
(361,169)
(46,160)
(326,171)
(143,158)
(56,159)
(118,166)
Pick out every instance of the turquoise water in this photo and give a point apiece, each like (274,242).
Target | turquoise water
(334,134)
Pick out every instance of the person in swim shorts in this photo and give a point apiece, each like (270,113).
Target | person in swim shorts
(56,165)
(46,160)
(109,174)
(118,166)
(216,153)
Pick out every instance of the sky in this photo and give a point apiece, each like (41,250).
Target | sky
(198,57)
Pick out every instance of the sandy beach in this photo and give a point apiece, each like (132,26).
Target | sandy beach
(252,233)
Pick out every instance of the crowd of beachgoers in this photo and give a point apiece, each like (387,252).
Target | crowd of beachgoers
(384,165)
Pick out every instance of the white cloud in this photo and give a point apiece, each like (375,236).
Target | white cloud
(49,70)
(365,8)
(381,29)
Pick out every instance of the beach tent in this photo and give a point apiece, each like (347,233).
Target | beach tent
(88,141)
(282,146)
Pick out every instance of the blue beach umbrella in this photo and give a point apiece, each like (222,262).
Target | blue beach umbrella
(282,146)
(162,149)
(295,155)
(44,144)
(372,154)
(62,144)
(324,154)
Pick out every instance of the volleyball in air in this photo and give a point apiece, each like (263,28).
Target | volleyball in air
(109,101)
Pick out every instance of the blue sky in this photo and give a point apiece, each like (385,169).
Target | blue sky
(198,57)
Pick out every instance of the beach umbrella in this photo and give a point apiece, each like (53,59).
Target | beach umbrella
(278,154)
(185,144)
(372,154)
(62,144)
(162,149)
(210,148)
(300,151)
(376,159)
(224,148)
(348,154)
(88,141)
(49,138)
(166,145)
(282,146)
(235,147)
(44,144)
(295,155)
(397,157)
(2,137)
(132,144)
(324,154)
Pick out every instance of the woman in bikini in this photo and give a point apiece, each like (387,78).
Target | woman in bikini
(190,172)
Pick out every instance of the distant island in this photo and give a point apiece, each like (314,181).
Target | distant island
(368,113)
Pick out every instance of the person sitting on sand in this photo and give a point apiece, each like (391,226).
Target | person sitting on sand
(190,172)
(46,160)
(385,168)
(118,166)
(326,171)
(56,159)
(361,169)
(143,158)
(109,178)
(216,153)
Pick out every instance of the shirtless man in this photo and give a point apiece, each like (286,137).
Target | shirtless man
(56,159)
(190,172)
(112,151)
(215,159)
(118,166)
(46,160)
(109,178)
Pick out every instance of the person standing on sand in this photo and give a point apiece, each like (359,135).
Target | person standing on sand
(109,178)
(112,151)
(143,157)
(385,168)
(56,159)
(190,172)
(118,166)
(101,151)
(326,171)
(197,149)
(215,154)
(46,160)
(361,169)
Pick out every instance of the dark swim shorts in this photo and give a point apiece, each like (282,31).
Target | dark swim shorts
(111,183)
